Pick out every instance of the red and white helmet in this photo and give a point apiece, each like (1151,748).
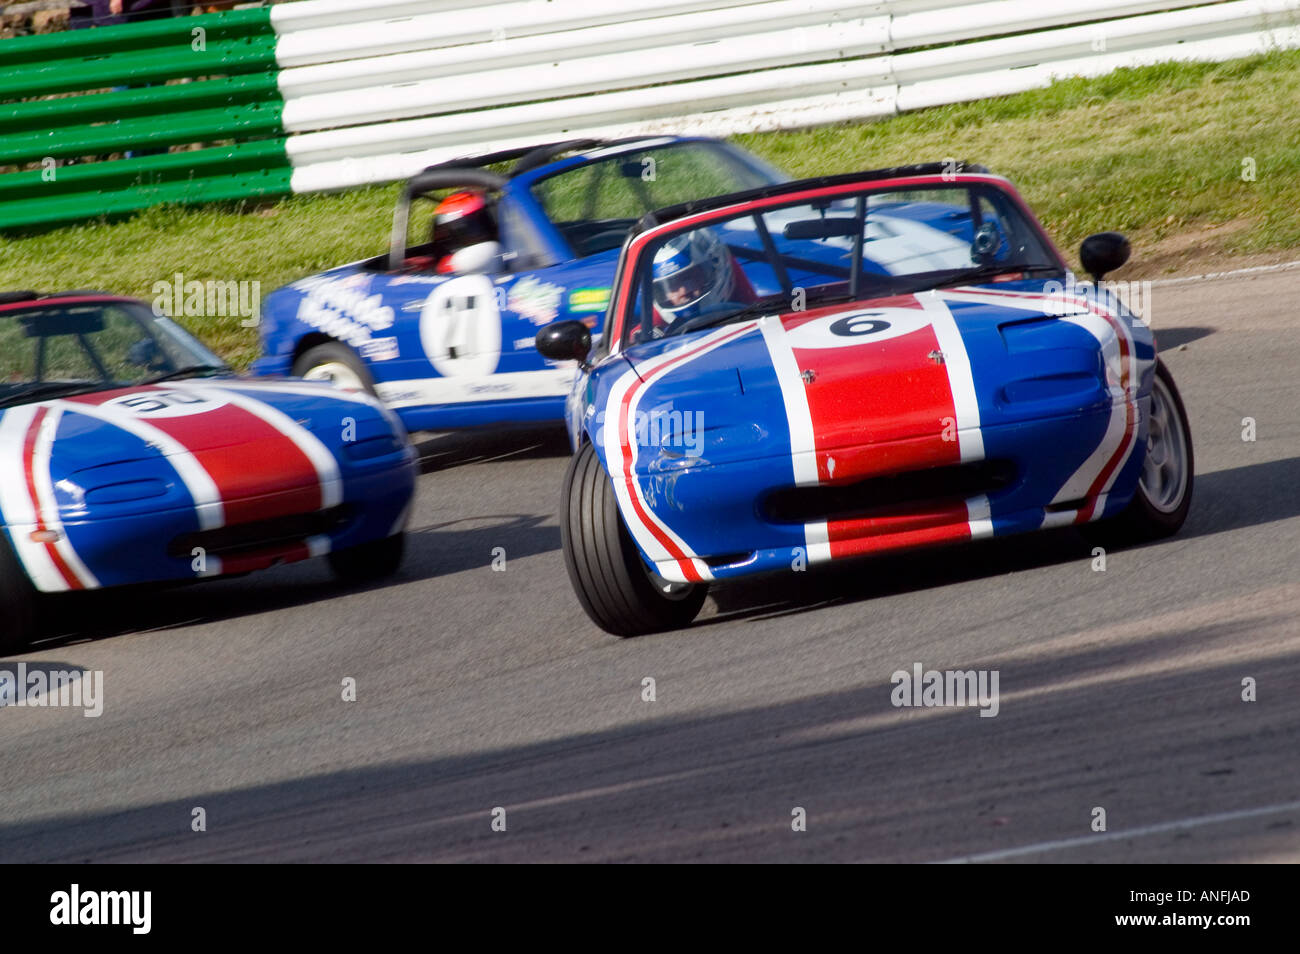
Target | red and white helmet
(464,218)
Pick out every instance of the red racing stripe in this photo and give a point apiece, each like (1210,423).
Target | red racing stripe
(889,420)
(902,401)
(1085,514)
(262,559)
(259,471)
(29,455)
(945,522)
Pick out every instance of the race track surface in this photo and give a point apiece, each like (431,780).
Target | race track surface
(479,689)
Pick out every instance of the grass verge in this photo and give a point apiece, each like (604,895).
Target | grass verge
(1158,152)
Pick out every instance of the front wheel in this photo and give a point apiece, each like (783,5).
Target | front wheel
(336,364)
(1164,491)
(614,586)
(369,561)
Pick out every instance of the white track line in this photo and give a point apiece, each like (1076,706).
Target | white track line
(1211,276)
(1130,833)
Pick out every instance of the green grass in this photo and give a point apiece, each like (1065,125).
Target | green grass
(1155,152)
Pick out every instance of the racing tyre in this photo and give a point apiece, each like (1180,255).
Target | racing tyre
(616,589)
(369,561)
(336,363)
(17,603)
(1164,492)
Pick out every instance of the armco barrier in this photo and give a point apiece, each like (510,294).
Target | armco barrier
(328,94)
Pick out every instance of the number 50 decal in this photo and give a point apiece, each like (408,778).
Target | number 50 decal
(460,327)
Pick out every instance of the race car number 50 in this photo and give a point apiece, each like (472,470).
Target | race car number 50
(167,403)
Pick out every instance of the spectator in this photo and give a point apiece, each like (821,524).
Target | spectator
(111,12)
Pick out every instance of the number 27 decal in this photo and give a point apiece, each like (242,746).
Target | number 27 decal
(460,327)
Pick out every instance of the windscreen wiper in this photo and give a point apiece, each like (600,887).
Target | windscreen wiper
(977,275)
(189,371)
(41,389)
(724,317)
(770,307)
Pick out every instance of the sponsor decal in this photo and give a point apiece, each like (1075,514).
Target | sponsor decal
(588,299)
(380,349)
(535,300)
(343,308)
(416,279)
(395,395)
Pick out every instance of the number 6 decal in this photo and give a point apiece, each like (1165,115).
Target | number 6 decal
(858,327)
(460,327)
(863,324)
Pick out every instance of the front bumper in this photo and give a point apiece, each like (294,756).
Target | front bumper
(167,545)
(724,513)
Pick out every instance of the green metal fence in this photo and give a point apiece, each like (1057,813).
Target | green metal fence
(69,100)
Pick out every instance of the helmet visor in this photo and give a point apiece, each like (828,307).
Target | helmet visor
(684,286)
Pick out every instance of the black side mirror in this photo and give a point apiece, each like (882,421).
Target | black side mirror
(1103,252)
(564,341)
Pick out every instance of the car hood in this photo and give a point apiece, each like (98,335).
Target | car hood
(895,374)
(203,415)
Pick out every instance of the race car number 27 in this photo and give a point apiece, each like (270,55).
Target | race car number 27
(460,327)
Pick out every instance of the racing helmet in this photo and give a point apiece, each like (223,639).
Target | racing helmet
(690,272)
(464,218)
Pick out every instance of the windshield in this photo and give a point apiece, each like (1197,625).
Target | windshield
(805,253)
(57,349)
(596,203)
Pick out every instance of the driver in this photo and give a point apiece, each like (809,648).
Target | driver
(693,271)
(465,231)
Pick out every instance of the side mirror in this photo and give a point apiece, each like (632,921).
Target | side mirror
(1103,252)
(564,341)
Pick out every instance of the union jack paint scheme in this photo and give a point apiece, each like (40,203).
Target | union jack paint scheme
(129,453)
(908,361)
(444,336)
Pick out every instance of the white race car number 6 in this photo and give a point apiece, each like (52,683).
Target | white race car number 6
(858,327)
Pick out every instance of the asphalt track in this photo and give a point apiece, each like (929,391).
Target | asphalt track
(479,689)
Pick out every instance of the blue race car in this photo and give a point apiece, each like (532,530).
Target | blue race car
(441,326)
(847,366)
(129,453)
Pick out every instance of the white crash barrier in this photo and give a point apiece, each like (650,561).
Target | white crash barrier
(376,90)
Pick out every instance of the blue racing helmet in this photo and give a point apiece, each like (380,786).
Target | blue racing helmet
(691,271)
